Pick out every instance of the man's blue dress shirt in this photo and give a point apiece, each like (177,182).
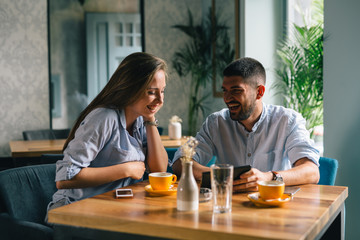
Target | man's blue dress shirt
(277,140)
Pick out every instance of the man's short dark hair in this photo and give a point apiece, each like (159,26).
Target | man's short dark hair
(246,68)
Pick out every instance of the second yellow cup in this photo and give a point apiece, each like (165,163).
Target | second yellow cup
(271,189)
(161,180)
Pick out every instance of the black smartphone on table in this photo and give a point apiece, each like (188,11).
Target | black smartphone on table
(206,182)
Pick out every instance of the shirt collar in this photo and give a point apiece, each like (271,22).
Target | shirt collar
(261,119)
(138,122)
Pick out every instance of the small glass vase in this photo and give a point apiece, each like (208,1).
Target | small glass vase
(187,190)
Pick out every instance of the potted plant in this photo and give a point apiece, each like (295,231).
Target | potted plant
(300,72)
(195,58)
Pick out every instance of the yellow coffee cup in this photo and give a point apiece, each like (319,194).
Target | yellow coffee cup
(161,180)
(271,189)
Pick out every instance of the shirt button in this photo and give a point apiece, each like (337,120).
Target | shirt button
(247,135)
(249,154)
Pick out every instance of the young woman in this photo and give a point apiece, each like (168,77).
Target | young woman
(115,139)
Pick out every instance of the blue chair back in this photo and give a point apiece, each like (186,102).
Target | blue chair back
(42,134)
(328,170)
(171,153)
(212,161)
(50,158)
(25,193)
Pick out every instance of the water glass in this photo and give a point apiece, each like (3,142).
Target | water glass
(221,186)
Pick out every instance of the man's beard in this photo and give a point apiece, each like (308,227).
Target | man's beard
(244,113)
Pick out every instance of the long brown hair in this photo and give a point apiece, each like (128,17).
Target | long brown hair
(128,84)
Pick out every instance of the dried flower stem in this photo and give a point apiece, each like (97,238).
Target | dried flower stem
(188,149)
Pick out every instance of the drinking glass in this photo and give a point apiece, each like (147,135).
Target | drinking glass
(221,186)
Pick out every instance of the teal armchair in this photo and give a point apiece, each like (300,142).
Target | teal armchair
(171,153)
(328,170)
(24,195)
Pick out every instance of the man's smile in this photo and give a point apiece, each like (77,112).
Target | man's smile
(233,106)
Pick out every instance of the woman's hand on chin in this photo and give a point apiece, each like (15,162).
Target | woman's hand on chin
(149,118)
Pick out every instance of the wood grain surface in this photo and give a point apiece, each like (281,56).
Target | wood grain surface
(303,217)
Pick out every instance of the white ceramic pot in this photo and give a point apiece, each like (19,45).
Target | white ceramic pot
(174,130)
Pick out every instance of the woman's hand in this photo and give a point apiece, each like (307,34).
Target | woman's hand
(136,169)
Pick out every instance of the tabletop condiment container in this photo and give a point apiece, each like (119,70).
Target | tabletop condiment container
(174,127)
(187,190)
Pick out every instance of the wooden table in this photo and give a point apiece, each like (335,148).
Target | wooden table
(36,148)
(314,210)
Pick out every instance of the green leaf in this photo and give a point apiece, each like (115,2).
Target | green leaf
(300,72)
(194,59)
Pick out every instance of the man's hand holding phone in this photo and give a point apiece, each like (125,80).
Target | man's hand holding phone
(238,171)
(247,181)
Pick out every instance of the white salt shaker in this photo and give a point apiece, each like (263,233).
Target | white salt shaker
(174,127)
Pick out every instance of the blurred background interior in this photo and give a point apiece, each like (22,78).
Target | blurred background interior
(55,56)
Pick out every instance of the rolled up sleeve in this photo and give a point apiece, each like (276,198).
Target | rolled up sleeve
(90,138)
(299,144)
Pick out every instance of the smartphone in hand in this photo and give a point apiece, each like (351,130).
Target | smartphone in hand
(205,181)
(240,170)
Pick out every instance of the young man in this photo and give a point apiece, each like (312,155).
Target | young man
(272,139)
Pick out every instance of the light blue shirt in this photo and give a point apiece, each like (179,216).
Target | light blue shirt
(101,140)
(277,140)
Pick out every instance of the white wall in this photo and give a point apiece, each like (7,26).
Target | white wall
(263,29)
(341,99)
